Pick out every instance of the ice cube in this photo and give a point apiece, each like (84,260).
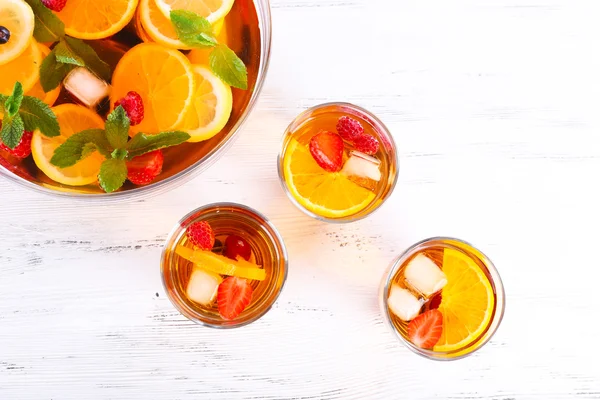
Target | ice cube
(202,286)
(424,275)
(403,303)
(362,166)
(86,87)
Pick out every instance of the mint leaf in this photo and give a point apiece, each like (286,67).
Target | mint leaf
(12,131)
(77,147)
(120,154)
(192,29)
(53,72)
(65,55)
(38,115)
(117,128)
(228,66)
(48,27)
(88,150)
(13,102)
(142,143)
(3,98)
(89,57)
(113,173)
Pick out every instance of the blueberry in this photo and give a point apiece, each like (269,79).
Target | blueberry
(4,35)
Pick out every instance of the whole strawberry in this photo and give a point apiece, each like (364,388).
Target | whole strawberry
(366,144)
(349,128)
(201,235)
(23,149)
(134,107)
(55,5)
(142,170)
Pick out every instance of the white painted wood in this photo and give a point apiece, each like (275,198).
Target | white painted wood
(495,108)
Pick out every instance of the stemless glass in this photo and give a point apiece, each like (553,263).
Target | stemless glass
(325,117)
(227,219)
(249,24)
(431,245)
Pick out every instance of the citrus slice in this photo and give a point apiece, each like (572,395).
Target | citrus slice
(222,265)
(467,302)
(16,17)
(211,106)
(212,10)
(164,79)
(25,69)
(72,119)
(93,19)
(37,90)
(329,194)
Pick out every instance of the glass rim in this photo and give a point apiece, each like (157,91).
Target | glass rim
(277,237)
(263,11)
(430,354)
(379,125)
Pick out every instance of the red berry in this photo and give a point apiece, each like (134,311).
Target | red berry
(349,128)
(233,296)
(236,246)
(55,5)
(327,149)
(23,149)
(142,170)
(425,330)
(201,235)
(435,301)
(366,144)
(133,106)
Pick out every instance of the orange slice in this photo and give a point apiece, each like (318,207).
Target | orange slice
(25,69)
(164,79)
(329,194)
(212,10)
(222,265)
(95,19)
(72,119)
(37,90)
(467,302)
(17,17)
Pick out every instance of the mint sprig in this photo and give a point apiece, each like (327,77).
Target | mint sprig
(25,113)
(195,31)
(112,142)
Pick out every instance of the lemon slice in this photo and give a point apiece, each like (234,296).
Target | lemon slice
(222,265)
(25,69)
(329,194)
(72,119)
(17,17)
(212,10)
(37,90)
(467,302)
(95,19)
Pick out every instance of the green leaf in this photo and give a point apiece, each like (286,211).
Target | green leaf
(38,115)
(12,131)
(89,57)
(48,27)
(192,29)
(53,72)
(120,154)
(88,150)
(13,102)
(3,98)
(117,128)
(65,55)
(142,143)
(228,66)
(76,147)
(113,173)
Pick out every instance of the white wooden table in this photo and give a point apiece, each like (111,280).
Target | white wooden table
(495,106)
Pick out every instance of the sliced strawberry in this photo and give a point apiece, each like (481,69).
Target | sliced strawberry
(327,149)
(425,330)
(435,301)
(233,297)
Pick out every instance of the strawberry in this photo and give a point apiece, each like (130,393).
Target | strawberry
(349,128)
(435,301)
(425,330)
(55,5)
(327,149)
(133,106)
(142,170)
(201,235)
(236,246)
(23,149)
(366,144)
(233,297)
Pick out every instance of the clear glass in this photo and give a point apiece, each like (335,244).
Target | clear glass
(325,116)
(253,26)
(480,259)
(227,219)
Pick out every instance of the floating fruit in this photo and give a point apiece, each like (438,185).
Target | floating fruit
(201,235)
(16,29)
(222,265)
(233,297)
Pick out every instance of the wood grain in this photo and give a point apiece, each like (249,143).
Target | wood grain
(494,106)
